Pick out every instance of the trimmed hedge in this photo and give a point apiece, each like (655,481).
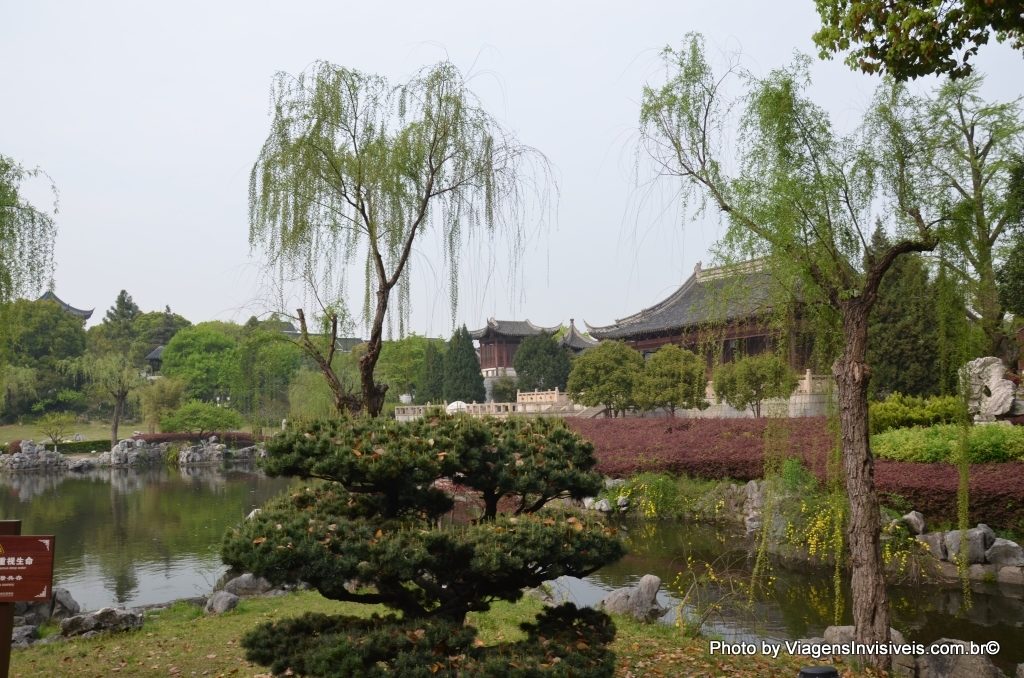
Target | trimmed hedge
(82,446)
(900,411)
(993,443)
(733,449)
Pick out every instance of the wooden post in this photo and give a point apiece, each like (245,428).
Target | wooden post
(7,527)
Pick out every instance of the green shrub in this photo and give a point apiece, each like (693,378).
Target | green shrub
(939,444)
(82,446)
(900,411)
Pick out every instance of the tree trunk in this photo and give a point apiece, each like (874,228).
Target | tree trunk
(870,602)
(118,409)
(373,393)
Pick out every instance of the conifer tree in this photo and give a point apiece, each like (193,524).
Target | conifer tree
(462,378)
(431,381)
(902,329)
(541,364)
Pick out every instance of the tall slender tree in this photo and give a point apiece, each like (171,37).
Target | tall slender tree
(356,170)
(462,377)
(805,197)
(27,233)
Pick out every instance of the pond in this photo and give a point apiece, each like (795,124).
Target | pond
(139,537)
(796,604)
(126,537)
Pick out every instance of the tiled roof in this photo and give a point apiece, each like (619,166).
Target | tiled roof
(156,354)
(50,296)
(511,328)
(575,340)
(714,295)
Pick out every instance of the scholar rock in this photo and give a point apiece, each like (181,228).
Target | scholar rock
(640,601)
(1005,553)
(106,619)
(604,506)
(220,602)
(989,395)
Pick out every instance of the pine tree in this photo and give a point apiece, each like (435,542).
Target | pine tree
(541,364)
(119,323)
(902,329)
(431,380)
(462,378)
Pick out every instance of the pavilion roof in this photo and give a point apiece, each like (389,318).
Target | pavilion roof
(511,328)
(156,354)
(576,340)
(50,296)
(709,296)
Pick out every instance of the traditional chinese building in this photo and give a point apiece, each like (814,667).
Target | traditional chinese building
(720,313)
(574,340)
(77,312)
(499,340)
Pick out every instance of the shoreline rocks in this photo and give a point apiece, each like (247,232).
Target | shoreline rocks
(128,453)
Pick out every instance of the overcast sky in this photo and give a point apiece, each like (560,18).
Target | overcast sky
(148,117)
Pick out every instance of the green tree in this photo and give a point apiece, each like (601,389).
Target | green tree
(202,356)
(120,321)
(27,234)
(541,364)
(17,389)
(431,379)
(201,419)
(505,390)
(377,520)
(354,166)
(462,377)
(804,196)
(911,38)
(976,153)
(39,335)
(154,329)
(264,363)
(402,362)
(672,378)
(56,426)
(751,380)
(903,330)
(606,375)
(1010,277)
(158,398)
(112,377)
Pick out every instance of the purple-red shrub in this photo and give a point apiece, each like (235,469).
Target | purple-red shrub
(734,448)
(13,447)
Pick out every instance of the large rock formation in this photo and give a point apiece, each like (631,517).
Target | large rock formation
(640,601)
(989,394)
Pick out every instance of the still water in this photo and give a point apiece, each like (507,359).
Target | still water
(139,537)
(128,537)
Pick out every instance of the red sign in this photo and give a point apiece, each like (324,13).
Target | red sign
(26,568)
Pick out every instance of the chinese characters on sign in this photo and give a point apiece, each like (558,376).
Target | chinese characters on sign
(26,568)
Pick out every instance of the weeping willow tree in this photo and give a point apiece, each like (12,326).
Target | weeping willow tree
(806,197)
(26,234)
(355,171)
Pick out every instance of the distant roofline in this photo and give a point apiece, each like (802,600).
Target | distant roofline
(78,312)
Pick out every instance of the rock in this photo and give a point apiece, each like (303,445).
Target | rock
(953,666)
(640,601)
(220,602)
(80,465)
(622,503)
(1020,671)
(989,395)
(106,619)
(982,572)
(588,503)
(915,521)
(1005,553)
(248,584)
(253,513)
(1010,575)
(936,543)
(64,605)
(603,506)
(22,636)
(979,539)
(612,483)
(839,635)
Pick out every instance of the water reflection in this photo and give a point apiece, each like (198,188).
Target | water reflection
(135,537)
(797,604)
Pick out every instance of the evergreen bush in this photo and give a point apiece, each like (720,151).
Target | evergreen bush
(373,534)
(902,411)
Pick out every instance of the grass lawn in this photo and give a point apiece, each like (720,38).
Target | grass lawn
(182,641)
(94,430)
